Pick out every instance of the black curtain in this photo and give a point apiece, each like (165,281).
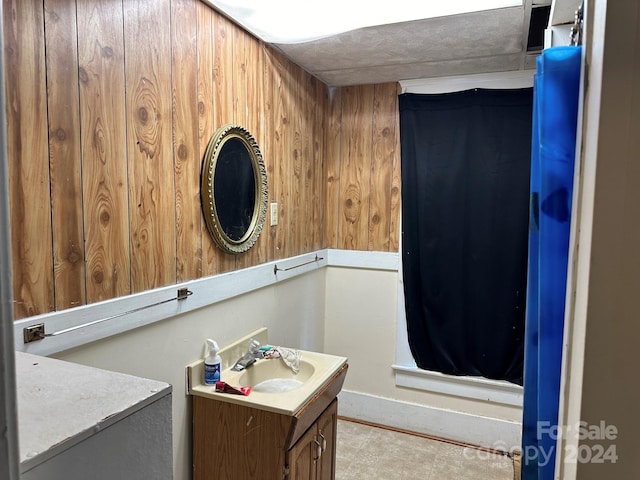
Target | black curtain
(466,160)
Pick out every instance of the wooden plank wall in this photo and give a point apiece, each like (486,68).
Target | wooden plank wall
(110,106)
(363,169)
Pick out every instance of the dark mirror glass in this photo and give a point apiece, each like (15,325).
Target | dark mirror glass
(234,189)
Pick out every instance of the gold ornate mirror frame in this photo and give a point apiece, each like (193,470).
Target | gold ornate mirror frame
(234,189)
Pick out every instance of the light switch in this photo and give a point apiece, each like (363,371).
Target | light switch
(274,214)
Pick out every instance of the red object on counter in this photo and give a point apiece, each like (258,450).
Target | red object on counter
(224,387)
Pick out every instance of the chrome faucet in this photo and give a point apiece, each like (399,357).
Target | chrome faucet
(250,357)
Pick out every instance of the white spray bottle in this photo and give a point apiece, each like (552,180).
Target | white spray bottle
(212,363)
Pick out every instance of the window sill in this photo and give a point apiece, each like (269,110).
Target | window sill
(497,391)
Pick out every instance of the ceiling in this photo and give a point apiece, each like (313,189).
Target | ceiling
(478,42)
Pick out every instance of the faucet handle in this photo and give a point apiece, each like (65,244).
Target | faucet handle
(254,346)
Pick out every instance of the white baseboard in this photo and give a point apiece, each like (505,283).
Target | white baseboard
(448,424)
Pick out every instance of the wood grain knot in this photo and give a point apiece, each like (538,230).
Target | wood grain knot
(83,75)
(375,219)
(148,128)
(183,152)
(61,135)
(98,276)
(74,255)
(99,142)
(107,52)
(104,218)
(142,237)
(143,115)
(352,204)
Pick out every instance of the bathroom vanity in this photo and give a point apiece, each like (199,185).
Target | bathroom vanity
(267,435)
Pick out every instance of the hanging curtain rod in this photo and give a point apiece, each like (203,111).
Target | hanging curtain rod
(276,269)
(36,332)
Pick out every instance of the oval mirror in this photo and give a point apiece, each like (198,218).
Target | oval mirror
(233,189)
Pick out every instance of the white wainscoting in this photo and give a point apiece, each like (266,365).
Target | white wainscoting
(211,290)
(131,312)
(457,425)
(205,291)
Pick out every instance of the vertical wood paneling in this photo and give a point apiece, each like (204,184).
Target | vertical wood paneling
(296,197)
(333,144)
(258,107)
(356,167)
(307,99)
(65,162)
(184,26)
(253,92)
(363,165)
(394,233)
(246,84)
(266,145)
(104,154)
(151,166)
(282,150)
(206,125)
(27,147)
(239,76)
(318,137)
(383,153)
(223,103)
(123,170)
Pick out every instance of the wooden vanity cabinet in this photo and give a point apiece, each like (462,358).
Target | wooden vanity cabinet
(313,457)
(237,441)
(327,431)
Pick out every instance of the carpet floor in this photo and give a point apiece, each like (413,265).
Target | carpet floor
(370,452)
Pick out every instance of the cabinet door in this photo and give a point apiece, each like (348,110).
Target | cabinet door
(304,455)
(326,425)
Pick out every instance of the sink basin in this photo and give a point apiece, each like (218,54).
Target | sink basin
(275,387)
(273,376)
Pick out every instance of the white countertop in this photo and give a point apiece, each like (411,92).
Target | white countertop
(288,403)
(62,403)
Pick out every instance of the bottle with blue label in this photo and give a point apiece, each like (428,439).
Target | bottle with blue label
(212,363)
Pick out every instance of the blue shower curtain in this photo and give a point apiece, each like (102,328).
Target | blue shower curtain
(555,113)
